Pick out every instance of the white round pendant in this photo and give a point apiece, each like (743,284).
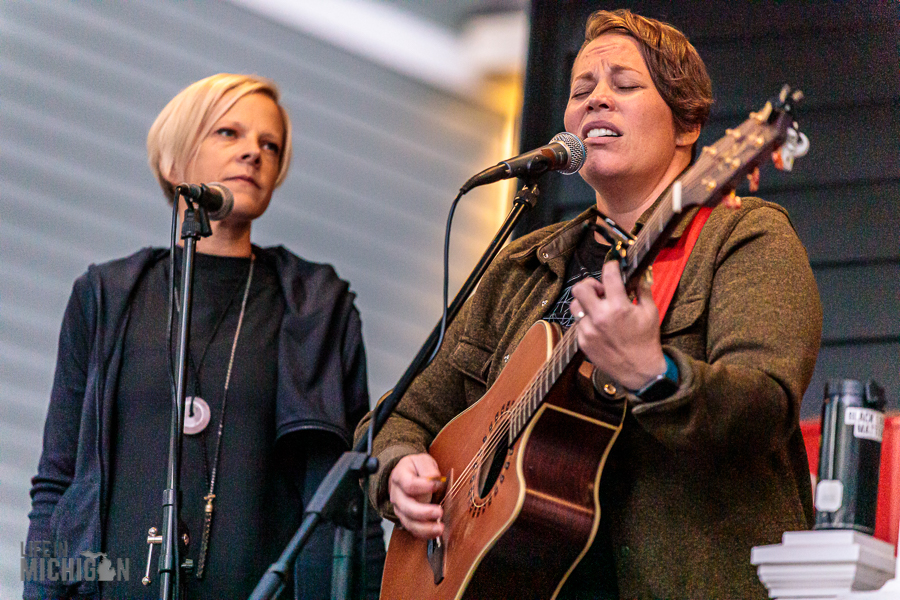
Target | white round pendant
(196,415)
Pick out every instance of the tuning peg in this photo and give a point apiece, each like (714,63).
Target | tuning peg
(732,201)
(753,177)
(783,94)
(786,93)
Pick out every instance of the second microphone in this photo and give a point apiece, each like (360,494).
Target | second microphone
(215,197)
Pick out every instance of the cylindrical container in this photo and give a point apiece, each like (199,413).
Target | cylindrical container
(850,455)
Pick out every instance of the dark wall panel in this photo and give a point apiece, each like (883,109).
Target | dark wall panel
(827,67)
(859,301)
(845,144)
(852,222)
(872,361)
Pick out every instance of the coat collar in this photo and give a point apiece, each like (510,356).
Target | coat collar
(558,240)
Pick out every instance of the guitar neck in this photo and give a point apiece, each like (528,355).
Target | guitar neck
(650,241)
(640,255)
(718,170)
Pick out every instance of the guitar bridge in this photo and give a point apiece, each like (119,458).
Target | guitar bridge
(436,547)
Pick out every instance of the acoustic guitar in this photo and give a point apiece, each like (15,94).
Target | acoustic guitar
(523,464)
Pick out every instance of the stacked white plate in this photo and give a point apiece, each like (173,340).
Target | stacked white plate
(823,564)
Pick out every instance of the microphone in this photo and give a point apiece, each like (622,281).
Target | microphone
(565,153)
(216,198)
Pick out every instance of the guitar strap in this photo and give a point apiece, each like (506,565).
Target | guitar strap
(669,264)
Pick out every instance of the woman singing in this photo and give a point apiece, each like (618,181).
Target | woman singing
(710,460)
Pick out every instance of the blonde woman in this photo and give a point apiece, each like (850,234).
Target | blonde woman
(276,377)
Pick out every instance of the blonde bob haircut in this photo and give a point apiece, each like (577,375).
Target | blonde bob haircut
(175,136)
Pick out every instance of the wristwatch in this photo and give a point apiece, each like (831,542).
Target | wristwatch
(663,386)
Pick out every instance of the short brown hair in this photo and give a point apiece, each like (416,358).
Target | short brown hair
(175,136)
(677,70)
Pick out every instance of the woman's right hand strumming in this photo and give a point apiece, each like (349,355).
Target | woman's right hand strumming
(412,485)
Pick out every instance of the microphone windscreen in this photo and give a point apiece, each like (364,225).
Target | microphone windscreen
(575,148)
(227,201)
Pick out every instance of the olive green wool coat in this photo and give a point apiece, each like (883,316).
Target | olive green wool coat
(696,480)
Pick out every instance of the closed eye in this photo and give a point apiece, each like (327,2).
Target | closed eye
(626,81)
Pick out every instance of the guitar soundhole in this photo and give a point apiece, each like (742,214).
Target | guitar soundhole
(492,464)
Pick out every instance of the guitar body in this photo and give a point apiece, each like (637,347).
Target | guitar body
(517,519)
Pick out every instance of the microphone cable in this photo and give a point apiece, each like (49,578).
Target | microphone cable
(171,303)
(446,293)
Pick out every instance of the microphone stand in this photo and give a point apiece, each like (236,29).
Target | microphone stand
(332,494)
(175,539)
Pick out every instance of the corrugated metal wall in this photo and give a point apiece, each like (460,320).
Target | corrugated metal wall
(377,160)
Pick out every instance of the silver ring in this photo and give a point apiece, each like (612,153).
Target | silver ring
(579,316)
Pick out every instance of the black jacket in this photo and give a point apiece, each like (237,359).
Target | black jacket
(321,389)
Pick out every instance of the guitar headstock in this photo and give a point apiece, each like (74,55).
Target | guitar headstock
(716,174)
(721,167)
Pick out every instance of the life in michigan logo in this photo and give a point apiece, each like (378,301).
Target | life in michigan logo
(44,562)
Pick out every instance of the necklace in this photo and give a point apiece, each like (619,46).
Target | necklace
(199,402)
(197,412)
(208,509)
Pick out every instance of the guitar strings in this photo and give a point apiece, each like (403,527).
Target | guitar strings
(527,402)
(519,409)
